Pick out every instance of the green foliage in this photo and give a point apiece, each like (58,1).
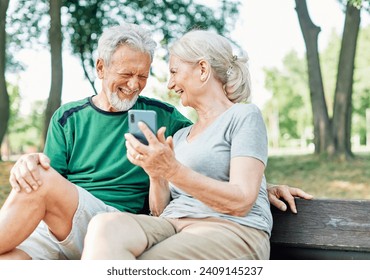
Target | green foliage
(27,23)
(167,19)
(290,99)
(23,130)
(15,102)
(361,85)
(291,96)
(83,22)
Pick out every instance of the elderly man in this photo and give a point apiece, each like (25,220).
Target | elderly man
(47,212)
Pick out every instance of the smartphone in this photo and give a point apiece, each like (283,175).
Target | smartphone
(149,117)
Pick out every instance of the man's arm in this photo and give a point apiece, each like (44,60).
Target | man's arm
(278,193)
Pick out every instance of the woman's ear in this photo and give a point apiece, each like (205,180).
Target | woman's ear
(204,70)
(100,68)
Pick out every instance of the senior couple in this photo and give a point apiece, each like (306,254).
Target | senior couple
(196,191)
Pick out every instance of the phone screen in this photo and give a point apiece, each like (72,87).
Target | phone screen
(149,117)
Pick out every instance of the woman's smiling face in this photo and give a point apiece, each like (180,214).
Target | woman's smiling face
(184,79)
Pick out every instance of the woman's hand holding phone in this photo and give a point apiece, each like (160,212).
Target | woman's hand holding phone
(157,158)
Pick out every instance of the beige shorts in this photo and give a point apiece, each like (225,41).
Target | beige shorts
(201,239)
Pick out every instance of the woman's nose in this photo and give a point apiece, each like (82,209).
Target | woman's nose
(171,83)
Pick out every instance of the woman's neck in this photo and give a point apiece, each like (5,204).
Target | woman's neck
(212,109)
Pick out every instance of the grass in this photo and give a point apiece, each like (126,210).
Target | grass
(4,180)
(320,177)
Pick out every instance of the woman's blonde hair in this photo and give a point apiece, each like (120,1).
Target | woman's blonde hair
(230,69)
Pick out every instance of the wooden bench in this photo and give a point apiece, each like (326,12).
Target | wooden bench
(323,229)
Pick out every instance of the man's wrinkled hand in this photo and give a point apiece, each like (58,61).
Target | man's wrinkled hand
(278,193)
(25,174)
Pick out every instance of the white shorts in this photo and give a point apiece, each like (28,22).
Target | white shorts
(42,244)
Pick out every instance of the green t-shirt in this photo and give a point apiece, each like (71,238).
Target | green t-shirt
(87,146)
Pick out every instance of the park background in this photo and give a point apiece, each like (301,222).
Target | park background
(49,50)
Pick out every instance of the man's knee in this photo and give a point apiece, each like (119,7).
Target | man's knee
(48,179)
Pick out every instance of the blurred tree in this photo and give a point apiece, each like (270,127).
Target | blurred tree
(167,19)
(29,22)
(23,130)
(4,97)
(83,22)
(287,114)
(361,87)
(55,42)
(332,136)
(288,110)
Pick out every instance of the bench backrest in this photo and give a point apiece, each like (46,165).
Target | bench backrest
(322,229)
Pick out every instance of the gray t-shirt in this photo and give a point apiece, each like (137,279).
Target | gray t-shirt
(239,131)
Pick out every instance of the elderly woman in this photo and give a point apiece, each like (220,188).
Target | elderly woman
(208,194)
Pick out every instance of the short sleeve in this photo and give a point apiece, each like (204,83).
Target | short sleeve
(249,136)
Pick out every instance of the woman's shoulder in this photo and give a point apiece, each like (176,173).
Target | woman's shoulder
(245,109)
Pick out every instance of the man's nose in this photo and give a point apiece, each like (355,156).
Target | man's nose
(133,83)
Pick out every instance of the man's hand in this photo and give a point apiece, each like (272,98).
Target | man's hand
(278,192)
(25,173)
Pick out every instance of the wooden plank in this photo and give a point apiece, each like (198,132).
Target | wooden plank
(323,224)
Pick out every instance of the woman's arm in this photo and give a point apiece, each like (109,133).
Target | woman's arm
(159,195)
(235,197)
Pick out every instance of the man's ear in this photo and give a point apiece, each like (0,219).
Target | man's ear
(100,68)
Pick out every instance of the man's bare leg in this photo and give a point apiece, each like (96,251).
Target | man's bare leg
(55,202)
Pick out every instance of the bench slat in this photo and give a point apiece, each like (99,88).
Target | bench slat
(322,227)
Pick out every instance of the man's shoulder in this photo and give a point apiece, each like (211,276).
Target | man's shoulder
(152,103)
(73,104)
(67,109)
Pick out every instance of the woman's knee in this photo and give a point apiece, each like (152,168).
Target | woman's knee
(109,225)
(116,230)
(102,223)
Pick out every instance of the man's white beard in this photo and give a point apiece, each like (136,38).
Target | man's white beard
(119,104)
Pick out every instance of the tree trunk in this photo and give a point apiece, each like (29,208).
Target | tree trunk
(323,139)
(342,114)
(4,97)
(55,40)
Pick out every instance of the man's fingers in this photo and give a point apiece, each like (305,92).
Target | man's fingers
(292,206)
(32,174)
(277,202)
(24,185)
(44,161)
(14,184)
(300,193)
(288,196)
